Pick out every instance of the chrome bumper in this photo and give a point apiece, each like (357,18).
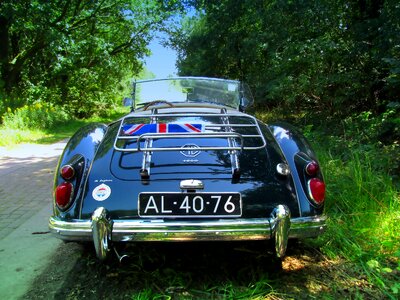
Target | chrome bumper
(102,230)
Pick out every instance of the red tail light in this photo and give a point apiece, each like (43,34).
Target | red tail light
(312,168)
(63,194)
(316,190)
(67,172)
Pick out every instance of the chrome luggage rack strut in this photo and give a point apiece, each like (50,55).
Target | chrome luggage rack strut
(231,143)
(145,171)
(225,129)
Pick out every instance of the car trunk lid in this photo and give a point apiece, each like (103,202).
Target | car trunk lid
(186,145)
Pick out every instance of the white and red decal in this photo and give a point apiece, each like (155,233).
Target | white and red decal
(101,192)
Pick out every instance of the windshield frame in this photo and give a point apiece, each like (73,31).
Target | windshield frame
(244,97)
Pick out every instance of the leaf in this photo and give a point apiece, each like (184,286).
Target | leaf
(387,270)
(373,264)
(395,288)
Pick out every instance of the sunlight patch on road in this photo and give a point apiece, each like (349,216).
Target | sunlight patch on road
(33,150)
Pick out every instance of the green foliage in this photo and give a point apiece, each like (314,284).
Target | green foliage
(364,209)
(330,62)
(73,53)
(334,57)
(359,157)
(43,134)
(363,203)
(37,116)
(12,137)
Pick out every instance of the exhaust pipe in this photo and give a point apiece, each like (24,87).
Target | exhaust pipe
(123,259)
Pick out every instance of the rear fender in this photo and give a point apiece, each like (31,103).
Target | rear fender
(298,154)
(79,153)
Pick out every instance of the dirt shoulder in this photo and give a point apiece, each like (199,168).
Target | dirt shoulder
(199,271)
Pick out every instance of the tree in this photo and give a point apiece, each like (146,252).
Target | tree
(72,52)
(336,57)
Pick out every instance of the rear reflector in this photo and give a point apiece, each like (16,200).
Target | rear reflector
(316,190)
(63,194)
(67,172)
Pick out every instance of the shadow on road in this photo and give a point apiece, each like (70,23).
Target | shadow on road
(189,271)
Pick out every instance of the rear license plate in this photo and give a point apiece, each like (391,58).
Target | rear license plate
(189,205)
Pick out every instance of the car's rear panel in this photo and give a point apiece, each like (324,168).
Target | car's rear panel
(249,172)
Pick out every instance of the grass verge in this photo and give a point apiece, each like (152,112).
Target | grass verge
(10,137)
(363,206)
(363,197)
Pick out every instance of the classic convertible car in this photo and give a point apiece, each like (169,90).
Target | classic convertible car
(187,164)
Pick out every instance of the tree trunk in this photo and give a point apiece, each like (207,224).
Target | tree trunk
(4,50)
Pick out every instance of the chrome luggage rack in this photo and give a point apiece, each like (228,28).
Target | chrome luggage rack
(224,129)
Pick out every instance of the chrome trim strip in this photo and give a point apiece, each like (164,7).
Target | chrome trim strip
(188,77)
(191,114)
(158,230)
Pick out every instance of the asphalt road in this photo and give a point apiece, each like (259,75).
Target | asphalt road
(26,179)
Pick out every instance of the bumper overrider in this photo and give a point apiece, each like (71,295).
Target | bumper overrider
(103,231)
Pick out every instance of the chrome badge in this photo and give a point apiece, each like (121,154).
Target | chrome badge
(190,150)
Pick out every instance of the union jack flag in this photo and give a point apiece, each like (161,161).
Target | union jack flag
(138,129)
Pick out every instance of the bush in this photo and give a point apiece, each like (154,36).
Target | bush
(36,116)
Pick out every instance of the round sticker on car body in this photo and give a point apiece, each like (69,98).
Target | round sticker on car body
(101,192)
